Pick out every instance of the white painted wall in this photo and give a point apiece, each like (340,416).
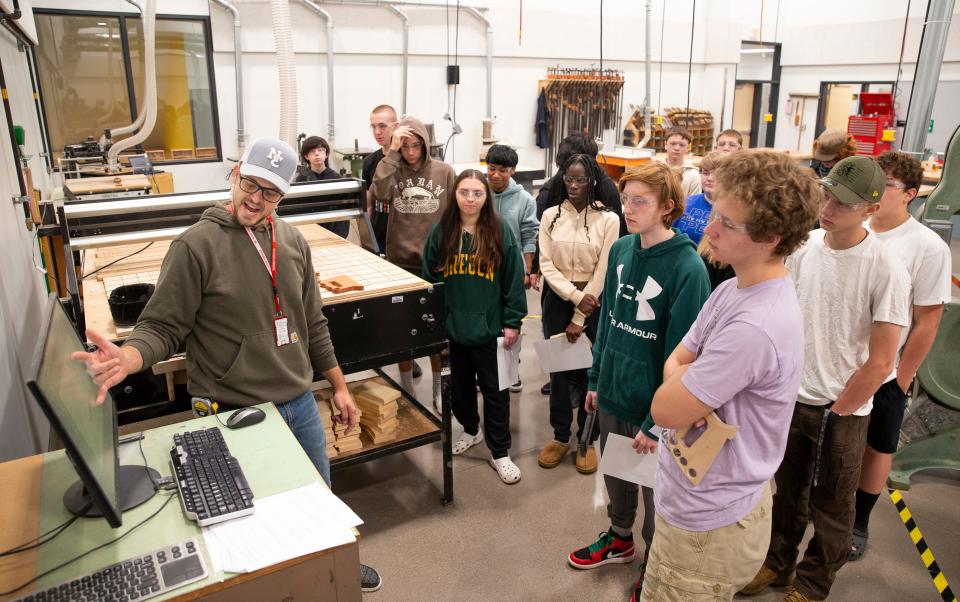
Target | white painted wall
(368,40)
(23,430)
(853,40)
(861,41)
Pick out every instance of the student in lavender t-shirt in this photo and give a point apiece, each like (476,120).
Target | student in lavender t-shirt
(742,359)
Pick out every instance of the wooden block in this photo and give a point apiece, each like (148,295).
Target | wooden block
(206,152)
(156,155)
(341,284)
(378,393)
(179,154)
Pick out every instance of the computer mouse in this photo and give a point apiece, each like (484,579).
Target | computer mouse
(245,417)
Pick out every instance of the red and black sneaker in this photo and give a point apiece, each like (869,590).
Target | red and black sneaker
(609,548)
(638,586)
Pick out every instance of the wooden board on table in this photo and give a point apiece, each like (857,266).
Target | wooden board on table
(378,277)
(102,184)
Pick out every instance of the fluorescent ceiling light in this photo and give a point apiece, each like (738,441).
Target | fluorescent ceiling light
(755,50)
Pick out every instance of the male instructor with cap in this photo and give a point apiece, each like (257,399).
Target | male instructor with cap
(238,289)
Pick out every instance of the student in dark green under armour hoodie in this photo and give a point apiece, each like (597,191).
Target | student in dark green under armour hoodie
(475,255)
(654,288)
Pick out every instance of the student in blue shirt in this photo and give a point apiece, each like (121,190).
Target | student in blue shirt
(696,213)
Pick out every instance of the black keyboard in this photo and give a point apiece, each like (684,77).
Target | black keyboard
(139,578)
(212,485)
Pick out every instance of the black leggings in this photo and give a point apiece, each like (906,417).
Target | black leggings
(568,389)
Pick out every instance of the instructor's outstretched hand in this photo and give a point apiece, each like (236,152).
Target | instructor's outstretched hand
(109,364)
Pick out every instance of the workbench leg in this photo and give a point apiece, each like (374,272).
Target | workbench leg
(446,437)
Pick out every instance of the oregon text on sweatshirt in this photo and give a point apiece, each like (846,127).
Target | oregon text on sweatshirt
(214,294)
(480,302)
(650,299)
(419,195)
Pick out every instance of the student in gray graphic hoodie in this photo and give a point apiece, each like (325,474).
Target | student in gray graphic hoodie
(419,189)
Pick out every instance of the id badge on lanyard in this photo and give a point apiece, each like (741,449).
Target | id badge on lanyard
(280,327)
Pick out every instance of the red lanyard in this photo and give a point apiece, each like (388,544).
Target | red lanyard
(272,265)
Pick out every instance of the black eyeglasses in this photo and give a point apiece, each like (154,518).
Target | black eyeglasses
(270,195)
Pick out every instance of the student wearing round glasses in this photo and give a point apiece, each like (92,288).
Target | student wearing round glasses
(475,254)
(655,284)
(742,359)
(575,240)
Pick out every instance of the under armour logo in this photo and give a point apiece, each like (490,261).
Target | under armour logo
(275,157)
(651,288)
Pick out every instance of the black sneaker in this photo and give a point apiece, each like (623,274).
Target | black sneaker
(417,372)
(516,387)
(545,389)
(370,580)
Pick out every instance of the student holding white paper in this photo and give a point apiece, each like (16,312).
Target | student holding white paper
(655,285)
(575,239)
(476,256)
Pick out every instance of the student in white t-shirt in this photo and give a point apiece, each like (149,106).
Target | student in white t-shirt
(854,298)
(927,258)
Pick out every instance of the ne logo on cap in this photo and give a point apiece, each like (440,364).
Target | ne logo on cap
(275,157)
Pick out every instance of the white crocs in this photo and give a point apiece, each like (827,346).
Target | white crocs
(466,441)
(508,471)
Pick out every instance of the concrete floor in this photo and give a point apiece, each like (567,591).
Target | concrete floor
(500,542)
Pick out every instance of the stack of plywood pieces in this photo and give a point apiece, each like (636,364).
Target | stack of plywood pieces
(326,415)
(378,404)
(336,433)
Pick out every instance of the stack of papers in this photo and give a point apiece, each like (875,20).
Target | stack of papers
(283,526)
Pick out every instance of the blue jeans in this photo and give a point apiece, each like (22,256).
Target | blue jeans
(303,418)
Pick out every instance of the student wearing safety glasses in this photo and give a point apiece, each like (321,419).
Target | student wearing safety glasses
(655,284)
(742,359)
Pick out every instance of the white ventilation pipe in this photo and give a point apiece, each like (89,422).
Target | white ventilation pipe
(476,13)
(283,41)
(238,69)
(139,121)
(149,112)
(646,76)
(406,57)
(331,128)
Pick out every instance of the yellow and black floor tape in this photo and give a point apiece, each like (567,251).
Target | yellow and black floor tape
(926,554)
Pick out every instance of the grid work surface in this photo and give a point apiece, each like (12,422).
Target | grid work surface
(332,256)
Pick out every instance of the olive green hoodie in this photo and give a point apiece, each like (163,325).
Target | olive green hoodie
(418,195)
(214,295)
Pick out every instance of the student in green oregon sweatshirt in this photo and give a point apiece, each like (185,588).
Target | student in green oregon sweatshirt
(475,255)
(654,288)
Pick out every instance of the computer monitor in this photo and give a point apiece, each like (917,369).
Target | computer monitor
(141,164)
(67,395)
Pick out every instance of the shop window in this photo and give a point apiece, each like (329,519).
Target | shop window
(92,77)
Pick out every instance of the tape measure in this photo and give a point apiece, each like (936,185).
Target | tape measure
(204,407)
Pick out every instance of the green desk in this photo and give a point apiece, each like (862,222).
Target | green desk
(273,462)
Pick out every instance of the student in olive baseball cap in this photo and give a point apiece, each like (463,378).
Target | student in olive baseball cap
(855,180)
(854,298)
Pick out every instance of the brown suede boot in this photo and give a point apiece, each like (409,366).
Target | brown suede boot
(793,595)
(552,454)
(764,578)
(587,461)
